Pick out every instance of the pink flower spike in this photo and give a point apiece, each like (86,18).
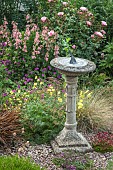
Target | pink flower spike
(103,23)
(64,3)
(43,19)
(88,23)
(84,9)
(51,33)
(60,13)
(74,46)
(99,34)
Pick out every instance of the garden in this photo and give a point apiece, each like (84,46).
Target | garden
(33,93)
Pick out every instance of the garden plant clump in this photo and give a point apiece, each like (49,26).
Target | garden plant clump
(33,93)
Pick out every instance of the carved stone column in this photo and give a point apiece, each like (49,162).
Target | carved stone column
(69,138)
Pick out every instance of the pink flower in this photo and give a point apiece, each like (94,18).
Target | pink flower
(103,32)
(43,19)
(84,9)
(92,36)
(99,34)
(64,3)
(90,14)
(51,33)
(33,57)
(50,0)
(60,13)
(103,23)
(88,23)
(27,17)
(74,46)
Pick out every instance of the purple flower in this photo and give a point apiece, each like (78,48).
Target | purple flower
(36,68)
(70,167)
(4,44)
(54,73)
(18,86)
(14,91)
(4,94)
(59,76)
(49,67)
(25,82)
(43,75)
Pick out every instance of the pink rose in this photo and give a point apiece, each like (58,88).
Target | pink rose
(51,33)
(84,9)
(43,19)
(88,23)
(92,36)
(50,0)
(74,46)
(60,13)
(99,34)
(103,23)
(64,3)
(103,32)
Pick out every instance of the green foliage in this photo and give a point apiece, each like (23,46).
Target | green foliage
(41,118)
(16,163)
(67,160)
(110,165)
(107,63)
(4,84)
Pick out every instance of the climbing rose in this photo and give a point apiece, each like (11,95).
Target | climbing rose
(73,46)
(99,34)
(64,3)
(60,13)
(92,36)
(43,19)
(88,23)
(84,9)
(103,32)
(103,23)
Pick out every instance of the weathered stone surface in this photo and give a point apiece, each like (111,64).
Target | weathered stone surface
(69,138)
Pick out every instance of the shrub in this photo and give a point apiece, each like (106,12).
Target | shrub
(107,62)
(10,127)
(16,163)
(42,114)
(67,29)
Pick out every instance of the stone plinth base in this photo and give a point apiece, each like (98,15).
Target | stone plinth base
(70,140)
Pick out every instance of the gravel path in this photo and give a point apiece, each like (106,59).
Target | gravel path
(43,155)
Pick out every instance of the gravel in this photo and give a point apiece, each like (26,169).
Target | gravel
(43,155)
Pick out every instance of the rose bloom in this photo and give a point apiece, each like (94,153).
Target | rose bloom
(103,32)
(43,19)
(99,34)
(88,23)
(92,36)
(103,23)
(84,9)
(50,0)
(64,3)
(51,33)
(73,46)
(60,13)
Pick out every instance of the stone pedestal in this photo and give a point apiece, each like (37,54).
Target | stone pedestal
(69,138)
